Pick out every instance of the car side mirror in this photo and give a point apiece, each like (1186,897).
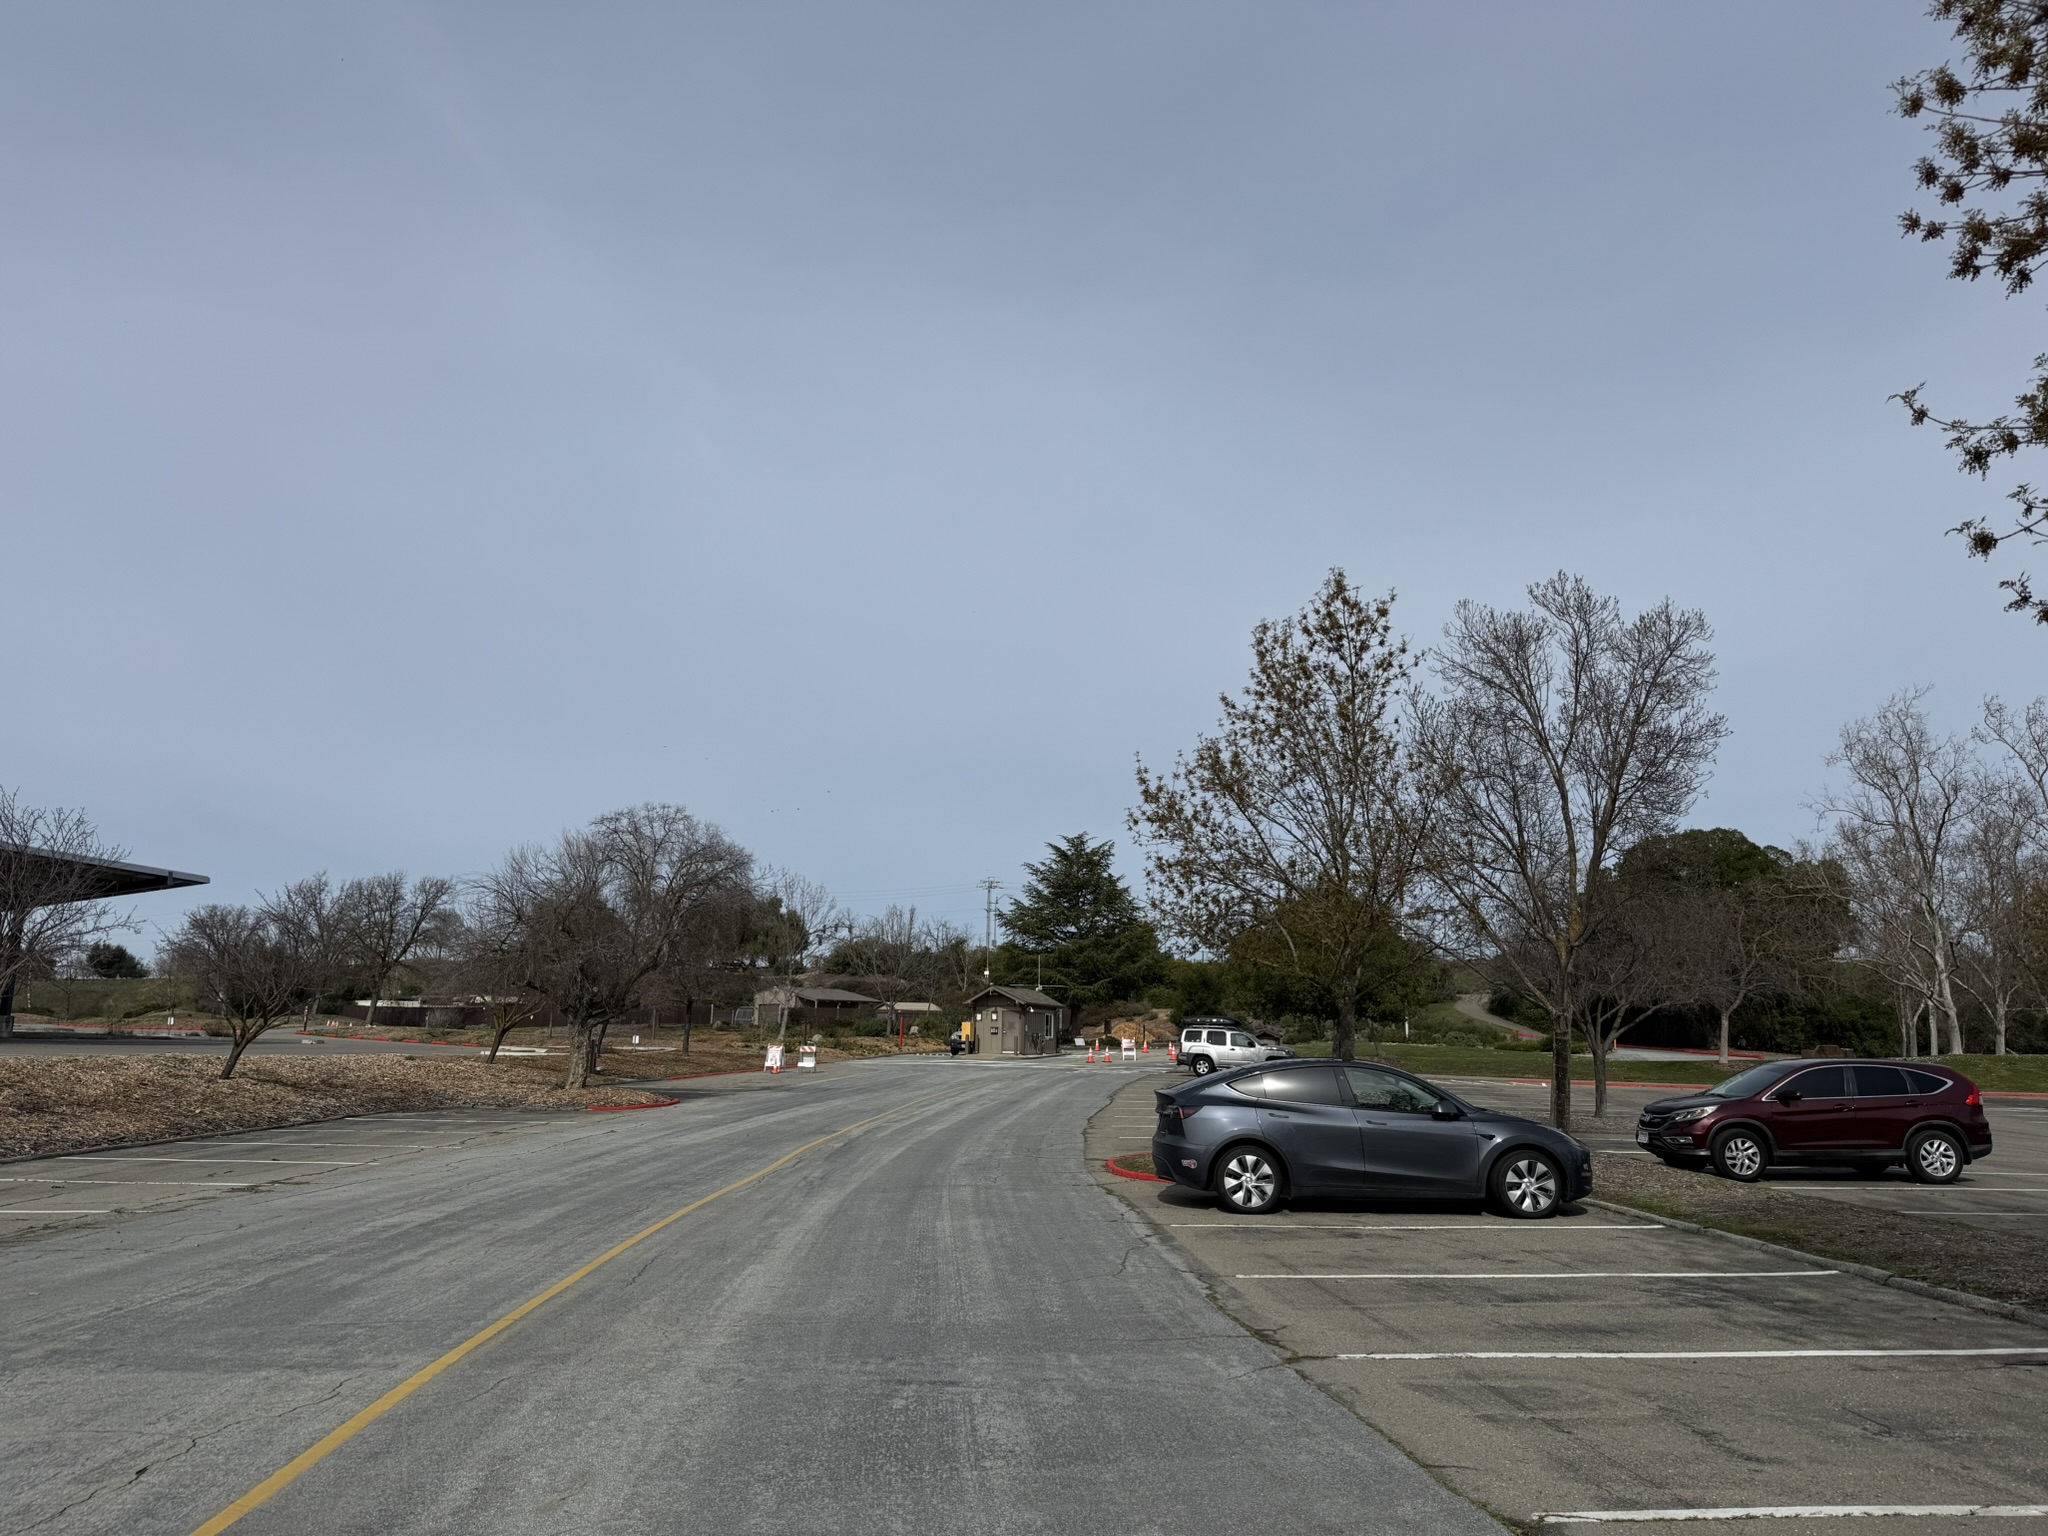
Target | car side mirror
(1444,1111)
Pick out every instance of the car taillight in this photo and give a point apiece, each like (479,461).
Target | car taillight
(1976,1098)
(1179,1114)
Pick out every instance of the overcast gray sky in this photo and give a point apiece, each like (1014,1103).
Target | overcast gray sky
(423,427)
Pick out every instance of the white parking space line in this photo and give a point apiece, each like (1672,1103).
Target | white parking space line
(1531,1229)
(1790,1512)
(1986,1173)
(52,1211)
(311,1162)
(1971,1215)
(1691,1354)
(1568,1274)
(1964,1189)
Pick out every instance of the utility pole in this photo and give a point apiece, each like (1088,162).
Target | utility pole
(989,887)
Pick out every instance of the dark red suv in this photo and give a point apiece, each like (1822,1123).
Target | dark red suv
(1867,1115)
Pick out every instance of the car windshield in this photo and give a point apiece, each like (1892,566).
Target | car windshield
(1755,1080)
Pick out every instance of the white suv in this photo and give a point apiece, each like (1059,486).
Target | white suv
(1211,1045)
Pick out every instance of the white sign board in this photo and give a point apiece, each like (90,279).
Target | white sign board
(774,1061)
(807,1058)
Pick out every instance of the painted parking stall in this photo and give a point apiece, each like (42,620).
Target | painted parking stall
(1598,1369)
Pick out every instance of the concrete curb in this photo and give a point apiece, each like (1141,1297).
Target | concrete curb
(1974,1302)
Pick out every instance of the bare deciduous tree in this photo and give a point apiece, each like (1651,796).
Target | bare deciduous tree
(249,963)
(48,893)
(1898,826)
(389,922)
(1627,966)
(318,919)
(796,922)
(1294,826)
(1564,734)
(49,907)
(590,920)
(1998,876)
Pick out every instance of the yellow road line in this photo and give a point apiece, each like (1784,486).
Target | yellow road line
(335,1439)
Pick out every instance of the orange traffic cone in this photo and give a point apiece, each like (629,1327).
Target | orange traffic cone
(1091,1055)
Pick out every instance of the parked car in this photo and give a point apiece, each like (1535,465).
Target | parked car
(1213,1045)
(1256,1136)
(1866,1115)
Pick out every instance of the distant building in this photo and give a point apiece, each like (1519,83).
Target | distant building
(1016,1021)
(773,1005)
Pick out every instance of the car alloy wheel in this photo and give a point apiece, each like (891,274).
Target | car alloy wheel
(1528,1184)
(1249,1182)
(1935,1158)
(1739,1155)
(1204,1066)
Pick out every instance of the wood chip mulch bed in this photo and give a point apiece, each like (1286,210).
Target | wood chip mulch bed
(79,1103)
(2004,1266)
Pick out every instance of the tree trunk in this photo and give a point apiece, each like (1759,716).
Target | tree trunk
(7,1008)
(1724,1037)
(238,1044)
(1943,1002)
(498,1033)
(1561,1069)
(579,1056)
(1998,1024)
(1345,1044)
(1596,1037)
(689,1018)
(597,1045)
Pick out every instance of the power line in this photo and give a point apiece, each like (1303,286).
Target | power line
(989,887)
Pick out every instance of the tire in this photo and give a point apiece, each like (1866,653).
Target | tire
(1935,1157)
(1203,1066)
(1527,1185)
(1248,1180)
(1741,1155)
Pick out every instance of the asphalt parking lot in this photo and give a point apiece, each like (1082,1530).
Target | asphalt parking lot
(40,1193)
(2008,1189)
(1601,1370)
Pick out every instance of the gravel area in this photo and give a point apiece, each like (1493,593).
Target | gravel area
(78,1103)
(2005,1266)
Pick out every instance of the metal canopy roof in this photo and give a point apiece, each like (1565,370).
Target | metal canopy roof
(98,879)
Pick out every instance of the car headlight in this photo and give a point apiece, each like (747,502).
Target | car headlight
(1700,1113)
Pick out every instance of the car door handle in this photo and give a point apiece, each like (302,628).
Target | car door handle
(1278,1114)
(1372,1122)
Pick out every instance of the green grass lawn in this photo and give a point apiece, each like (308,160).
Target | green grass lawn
(2009,1074)
(1484,1061)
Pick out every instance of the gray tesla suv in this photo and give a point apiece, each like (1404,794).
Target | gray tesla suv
(1260,1134)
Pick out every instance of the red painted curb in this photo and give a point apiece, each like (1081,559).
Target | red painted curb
(620,1109)
(1126,1173)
